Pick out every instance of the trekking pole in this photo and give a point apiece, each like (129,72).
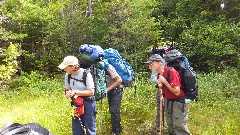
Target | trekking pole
(163,107)
(160,111)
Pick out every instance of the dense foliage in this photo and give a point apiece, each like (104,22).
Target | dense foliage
(204,31)
(49,30)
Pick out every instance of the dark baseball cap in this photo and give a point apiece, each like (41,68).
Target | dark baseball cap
(155,58)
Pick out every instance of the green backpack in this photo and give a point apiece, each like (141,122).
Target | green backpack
(98,73)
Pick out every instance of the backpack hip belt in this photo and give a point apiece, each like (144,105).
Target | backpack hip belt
(90,98)
(180,99)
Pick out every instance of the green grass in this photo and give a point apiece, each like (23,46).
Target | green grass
(48,110)
(33,98)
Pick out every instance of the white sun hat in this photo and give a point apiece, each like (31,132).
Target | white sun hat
(69,60)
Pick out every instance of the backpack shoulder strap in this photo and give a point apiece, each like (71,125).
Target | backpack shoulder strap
(84,77)
(168,74)
(69,77)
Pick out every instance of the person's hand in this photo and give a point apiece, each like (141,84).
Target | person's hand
(161,79)
(70,93)
(160,84)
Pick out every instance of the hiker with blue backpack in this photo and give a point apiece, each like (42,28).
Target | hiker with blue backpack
(114,95)
(117,74)
(83,102)
(176,108)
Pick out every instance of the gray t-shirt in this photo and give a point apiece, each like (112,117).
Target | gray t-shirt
(112,73)
(77,85)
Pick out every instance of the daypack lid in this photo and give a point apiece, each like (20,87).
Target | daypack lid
(173,54)
(94,51)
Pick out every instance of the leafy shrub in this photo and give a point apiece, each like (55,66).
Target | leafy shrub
(225,85)
(211,46)
(36,84)
(9,64)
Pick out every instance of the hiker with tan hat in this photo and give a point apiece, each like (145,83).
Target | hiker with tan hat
(83,102)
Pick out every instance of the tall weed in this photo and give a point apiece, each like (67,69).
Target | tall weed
(217,110)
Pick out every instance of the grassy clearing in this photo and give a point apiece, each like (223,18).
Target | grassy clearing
(40,100)
(48,110)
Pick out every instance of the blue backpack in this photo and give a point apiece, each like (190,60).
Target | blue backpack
(91,53)
(123,68)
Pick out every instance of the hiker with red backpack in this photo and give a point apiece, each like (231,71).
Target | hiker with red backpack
(83,102)
(176,108)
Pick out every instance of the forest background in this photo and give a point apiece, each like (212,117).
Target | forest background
(36,35)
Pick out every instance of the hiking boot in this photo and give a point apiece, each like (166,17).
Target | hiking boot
(159,133)
(114,133)
(117,131)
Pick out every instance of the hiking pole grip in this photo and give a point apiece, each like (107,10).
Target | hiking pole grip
(160,111)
